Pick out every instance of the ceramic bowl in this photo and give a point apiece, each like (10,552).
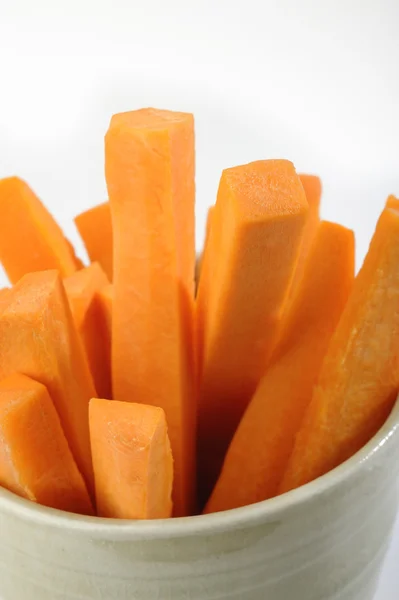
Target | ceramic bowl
(324,541)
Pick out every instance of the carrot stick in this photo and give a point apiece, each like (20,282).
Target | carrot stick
(38,338)
(257,224)
(91,322)
(95,228)
(359,379)
(78,263)
(104,298)
(263,442)
(312,186)
(149,160)
(35,460)
(30,239)
(392,202)
(207,232)
(133,465)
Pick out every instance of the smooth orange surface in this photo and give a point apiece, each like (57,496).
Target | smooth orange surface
(30,239)
(258,455)
(95,228)
(133,465)
(82,288)
(359,379)
(104,300)
(35,460)
(39,339)
(149,165)
(252,250)
(201,256)
(312,186)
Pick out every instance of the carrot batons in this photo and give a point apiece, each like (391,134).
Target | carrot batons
(30,239)
(35,460)
(149,165)
(105,300)
(95,228)
(132,460)
(359,379)
(263,442)
(257,225)
(312,186)
(91,320)
(38,338)
(201,256)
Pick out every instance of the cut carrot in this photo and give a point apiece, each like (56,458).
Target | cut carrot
(105,299)
(260,450)
(359,379)
(38,338)
(133,465)
(78,263)
(312,186)
(95,228)
(91,322)
(392,202)
(257,224)
(30,239)
(149,163)
(207,232)
(35,460)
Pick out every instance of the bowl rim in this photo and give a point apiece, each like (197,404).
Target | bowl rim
(266,511)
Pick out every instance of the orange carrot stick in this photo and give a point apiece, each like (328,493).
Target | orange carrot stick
(133,465)
(30,239)
(312,186)
(263,442)
(91,322)
(38,338)
(392,202)
(35,460)
(78,263)
(104,298)
(149,160)
(359,379)
(95,228)
(257,224)
(200,257)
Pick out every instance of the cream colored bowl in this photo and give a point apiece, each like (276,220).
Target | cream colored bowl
(323,541)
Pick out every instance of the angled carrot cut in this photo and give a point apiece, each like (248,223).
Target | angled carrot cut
(30,239)
(104,298)
(95,228)
(91,322)
(149,164)
(38,338)
(312,186)
(133,464)
(200,257)
(261,447)
(35,460)
(257,226)
(359,378)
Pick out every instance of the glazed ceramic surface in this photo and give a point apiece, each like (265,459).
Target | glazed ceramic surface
(325,541)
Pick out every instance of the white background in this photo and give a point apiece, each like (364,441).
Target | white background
(313,81)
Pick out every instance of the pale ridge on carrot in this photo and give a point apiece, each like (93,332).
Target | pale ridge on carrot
(252,250)
(133,465)
(35,460)
(95,228)
(263,442)
(38,338)
(359,379)
(88,312)
(149,164)
(30,239)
